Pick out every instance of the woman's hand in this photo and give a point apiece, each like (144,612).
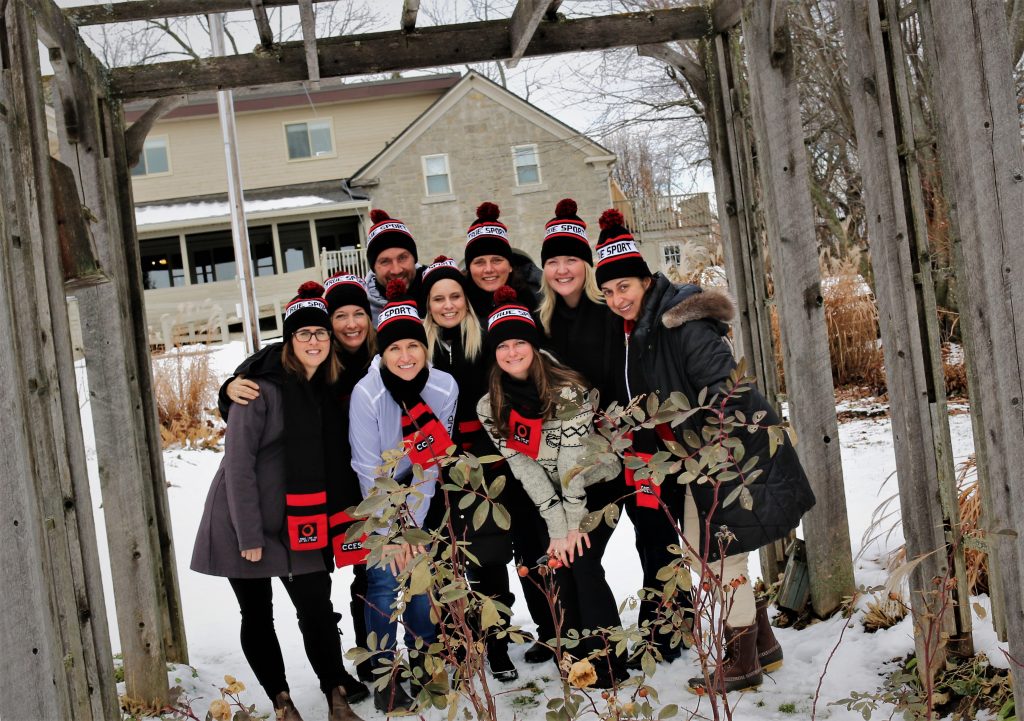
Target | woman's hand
(575,542)
(398,555)
(253,554)
(557,549)
(241,391)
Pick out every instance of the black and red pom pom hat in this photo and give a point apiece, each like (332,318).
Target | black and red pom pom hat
(510,320)
(400,317)
(387,232)
(617,252)
(486,235)
(345,289)
(566,234)
(307,308)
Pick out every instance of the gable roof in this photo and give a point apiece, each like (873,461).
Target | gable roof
(507,99)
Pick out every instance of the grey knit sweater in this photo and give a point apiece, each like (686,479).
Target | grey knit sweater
(562,505)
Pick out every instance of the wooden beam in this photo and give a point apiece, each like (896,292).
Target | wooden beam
(132,10)
(789,222)
(410,8)
(925,510)
(307,19)
(523,24)
(970,63)
(726,14)
(259,13)
(427,47)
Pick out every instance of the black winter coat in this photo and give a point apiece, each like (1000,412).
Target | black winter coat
(490,544)
(678,344)
(582,338)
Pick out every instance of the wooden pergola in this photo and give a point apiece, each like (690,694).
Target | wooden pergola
(67,227)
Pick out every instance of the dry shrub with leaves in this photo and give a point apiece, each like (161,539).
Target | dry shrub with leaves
(186,388)
(884,610)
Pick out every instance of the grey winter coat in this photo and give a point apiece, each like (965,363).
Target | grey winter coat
(245,506)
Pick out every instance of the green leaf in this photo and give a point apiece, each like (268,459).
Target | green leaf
(497,486)
(501,517)
(668,711)
(489,615)
(611,514)
(746,500)
(590,521)
(691,439)
(466,501)
(419,582)
(480,515)
(733,495)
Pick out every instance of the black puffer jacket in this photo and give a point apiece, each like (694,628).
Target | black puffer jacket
(490,544)
(678,344)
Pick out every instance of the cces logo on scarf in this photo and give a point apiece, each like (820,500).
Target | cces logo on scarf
(425,436)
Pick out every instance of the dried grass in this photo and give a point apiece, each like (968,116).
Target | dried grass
(884,610)
(954,370)
(851,320)
(885,520)
(186,388)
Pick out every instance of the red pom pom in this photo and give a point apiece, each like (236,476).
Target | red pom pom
(311,289)
(377,215)
(566,208)
(396,289)
(488,211)
(505,294)
(440,259)
(611,217)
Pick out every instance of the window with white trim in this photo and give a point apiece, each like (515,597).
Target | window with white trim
(527,164)
(311,139)
(671,255)
(435,174)
(155,159)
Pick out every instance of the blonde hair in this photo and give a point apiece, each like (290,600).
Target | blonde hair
(548,297)
(292,364)
(472,335)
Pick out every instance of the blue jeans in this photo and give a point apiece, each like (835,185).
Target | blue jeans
(381,592)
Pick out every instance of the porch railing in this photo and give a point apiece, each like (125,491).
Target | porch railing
(350,260)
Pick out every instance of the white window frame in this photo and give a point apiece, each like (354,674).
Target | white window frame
(448,174)
(515,165)
(677,249)
(142,158)
(306,122)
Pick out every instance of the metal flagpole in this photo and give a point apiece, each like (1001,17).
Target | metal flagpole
(236,199)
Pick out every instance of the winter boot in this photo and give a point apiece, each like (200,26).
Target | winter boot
(337,703)
(500,664)
(284,709)
(393,700)
(538,653)
(355,690)
(740,669)
(769,652)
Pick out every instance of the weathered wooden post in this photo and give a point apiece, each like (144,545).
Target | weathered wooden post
(117,363)
(733,170)
(968,57)
(789,220)
(917,399)
(53,626)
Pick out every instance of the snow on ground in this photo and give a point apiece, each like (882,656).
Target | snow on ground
(858,663)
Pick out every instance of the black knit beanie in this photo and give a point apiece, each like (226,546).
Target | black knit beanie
(308,308)
(510,320)
(387,232)
(400,318)
(345,289)
(443,268)
(566,234)
(617,254)
(487,236)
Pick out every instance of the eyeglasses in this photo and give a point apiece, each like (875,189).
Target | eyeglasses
(304,336)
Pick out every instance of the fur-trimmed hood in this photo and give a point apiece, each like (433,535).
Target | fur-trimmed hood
(713,303)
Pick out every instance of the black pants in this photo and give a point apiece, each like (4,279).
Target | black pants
(654,533)
(311,595)
(492,580)
(357,604)
(529,543)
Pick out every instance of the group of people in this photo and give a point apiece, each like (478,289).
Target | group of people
(487,360)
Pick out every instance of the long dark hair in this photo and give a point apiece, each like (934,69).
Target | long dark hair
(548,376)
(331,367)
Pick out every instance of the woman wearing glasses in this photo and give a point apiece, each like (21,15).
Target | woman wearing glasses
(266,512)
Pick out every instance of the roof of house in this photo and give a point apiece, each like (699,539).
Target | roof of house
(291,95)
(475,81)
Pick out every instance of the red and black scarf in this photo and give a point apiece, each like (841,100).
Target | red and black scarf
(424,435)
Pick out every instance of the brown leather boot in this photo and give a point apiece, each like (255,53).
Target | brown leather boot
(769,652)
(740,669)
(337,703)
(284,709)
